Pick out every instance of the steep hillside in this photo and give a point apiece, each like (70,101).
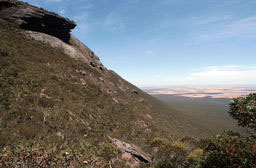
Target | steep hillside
(61,107)
(58,91)
(48,95)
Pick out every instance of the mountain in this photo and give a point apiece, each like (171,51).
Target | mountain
(55,89)
(55,92)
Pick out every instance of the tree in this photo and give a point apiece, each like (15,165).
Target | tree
(243,109)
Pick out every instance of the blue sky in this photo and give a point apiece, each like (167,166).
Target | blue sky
(168,42)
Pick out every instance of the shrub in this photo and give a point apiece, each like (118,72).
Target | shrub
(243,109)
(179,145)
(160,142)
(169,154)
(197,153)
(228,149)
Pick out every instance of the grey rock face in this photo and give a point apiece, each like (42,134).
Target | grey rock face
(129,149)
(32,18)
(75,49)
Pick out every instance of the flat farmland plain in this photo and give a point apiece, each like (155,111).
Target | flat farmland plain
(204,91)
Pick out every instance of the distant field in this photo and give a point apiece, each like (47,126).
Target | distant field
(207,116)
(206,91)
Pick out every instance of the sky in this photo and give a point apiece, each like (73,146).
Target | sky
(153,43)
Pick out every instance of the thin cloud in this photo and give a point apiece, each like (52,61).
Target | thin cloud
(86,7)
(132,1)
(217,75)
(210,75)
(82,23)
(241,28)
(226,67)
(199,21)
(62,12)
(149,52)
(191,22)
(54,0)
(113,22)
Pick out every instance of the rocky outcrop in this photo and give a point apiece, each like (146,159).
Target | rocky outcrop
(131,152)
(6,4)
(29,17)
(49,28)
(75,49)
(93,59)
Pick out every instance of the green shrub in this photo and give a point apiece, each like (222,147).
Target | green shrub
(228,149)
(243,109)
(179,145)
(168,154)
(195,154)
(158,142)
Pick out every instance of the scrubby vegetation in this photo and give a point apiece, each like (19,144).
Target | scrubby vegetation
(228,149)
(225,150)
(168,154)
(49,118)
(42,97)
(35,154)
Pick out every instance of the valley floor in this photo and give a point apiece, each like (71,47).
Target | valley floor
(207,116)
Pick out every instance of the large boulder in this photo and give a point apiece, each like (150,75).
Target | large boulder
(29,17)
(131,152)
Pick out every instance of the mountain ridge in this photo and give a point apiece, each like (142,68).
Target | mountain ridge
(66,79)
(57,93)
